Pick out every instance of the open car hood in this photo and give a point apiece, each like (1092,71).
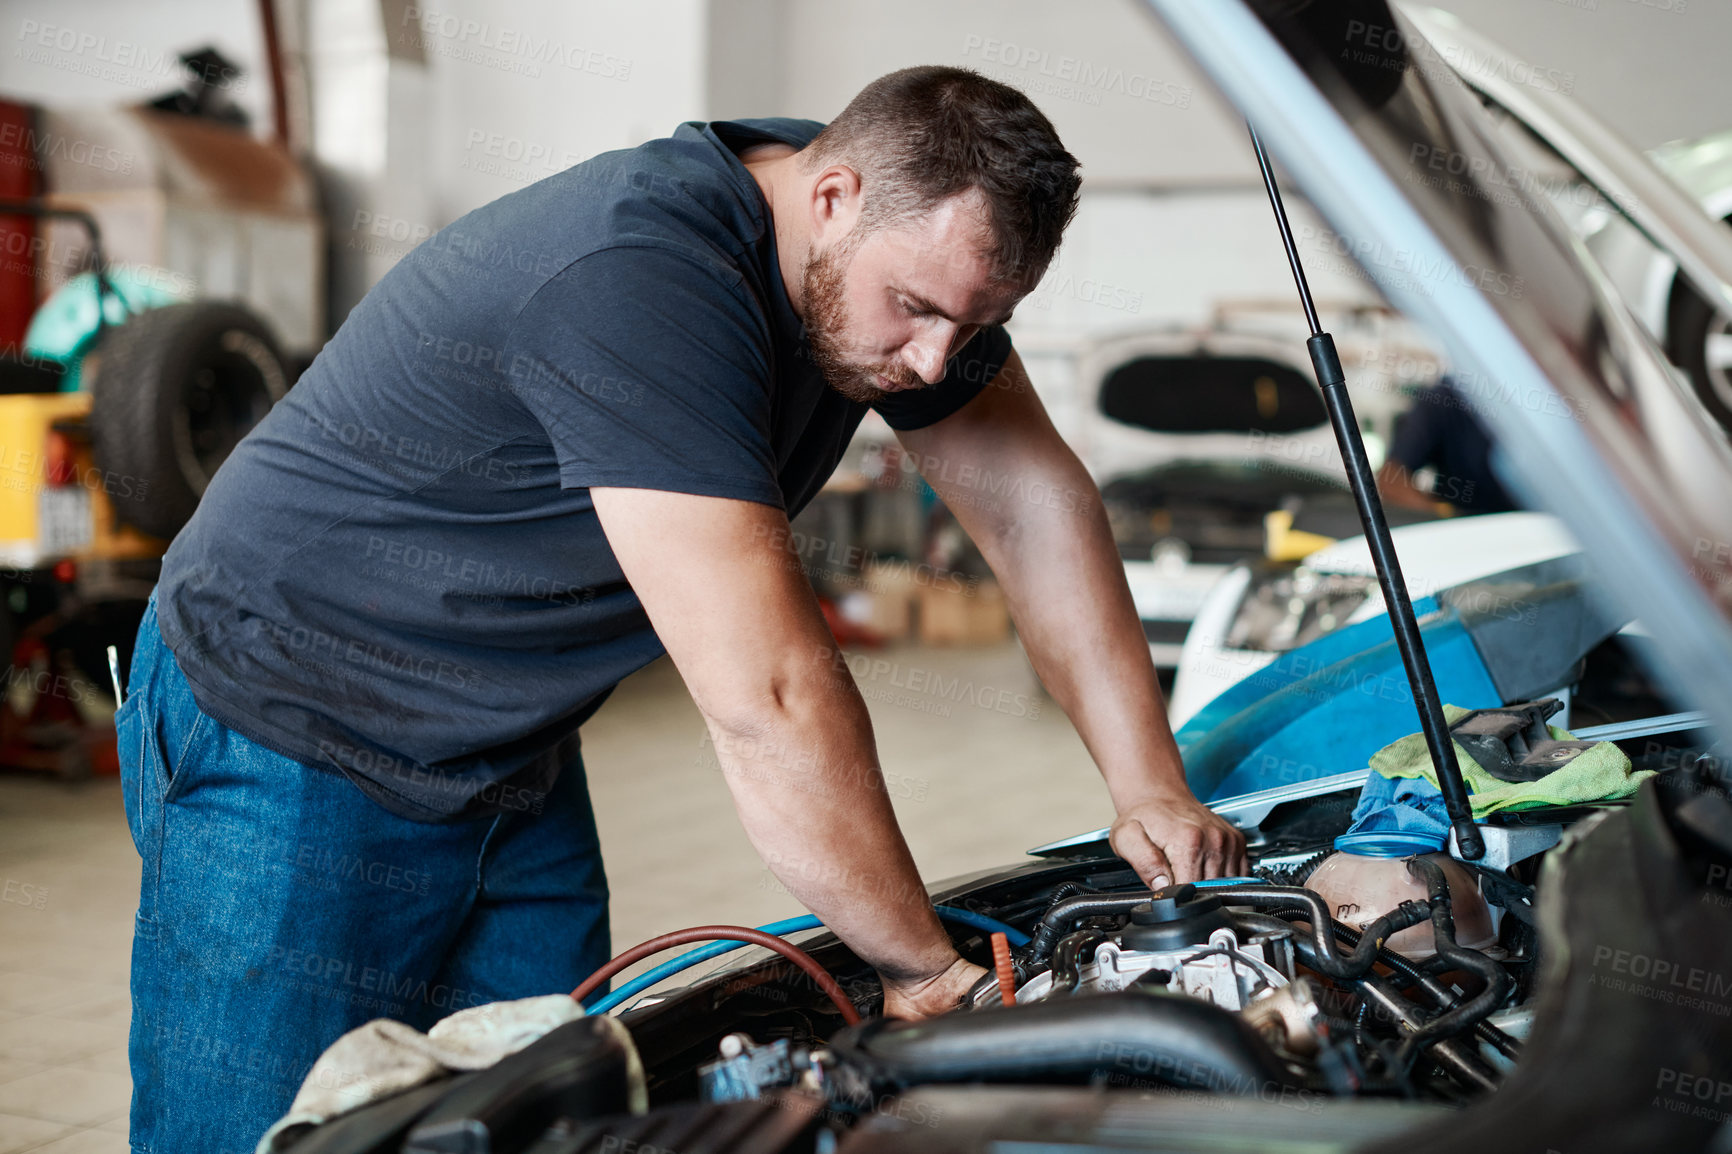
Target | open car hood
(1375,128)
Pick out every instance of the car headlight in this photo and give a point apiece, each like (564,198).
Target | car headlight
(1286,608)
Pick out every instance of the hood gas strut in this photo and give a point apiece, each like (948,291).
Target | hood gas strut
(1327,366)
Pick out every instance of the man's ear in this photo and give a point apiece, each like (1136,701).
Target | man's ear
(835,204)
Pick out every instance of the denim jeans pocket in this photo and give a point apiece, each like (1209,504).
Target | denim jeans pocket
(175,773)
(142,778)
(152,780)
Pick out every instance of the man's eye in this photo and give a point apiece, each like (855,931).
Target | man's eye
(909,308)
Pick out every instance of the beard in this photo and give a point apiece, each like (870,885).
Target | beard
(823,282)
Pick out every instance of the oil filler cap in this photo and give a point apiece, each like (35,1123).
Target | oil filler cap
(1172,919)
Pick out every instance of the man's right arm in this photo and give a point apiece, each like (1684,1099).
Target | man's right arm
(736,614)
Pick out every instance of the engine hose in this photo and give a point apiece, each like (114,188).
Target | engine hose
(1447,1052)
(661,942)
(1133,1038)
(1067,959)
(1461,1018)
(1065,890)
(1328,960)
(1065,913)
(704,953)
(1441,995)
(1375,991)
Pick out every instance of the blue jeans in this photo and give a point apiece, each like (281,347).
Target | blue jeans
(280,908)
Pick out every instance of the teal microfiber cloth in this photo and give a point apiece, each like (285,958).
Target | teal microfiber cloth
(1598,774)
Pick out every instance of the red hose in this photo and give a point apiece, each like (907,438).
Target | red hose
(729,934)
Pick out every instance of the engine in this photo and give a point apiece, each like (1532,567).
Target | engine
(1239,987)
(1178,942)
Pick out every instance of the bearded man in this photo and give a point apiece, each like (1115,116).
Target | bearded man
(560,438)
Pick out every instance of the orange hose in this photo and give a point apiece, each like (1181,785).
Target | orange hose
(1001,963)
(730,934)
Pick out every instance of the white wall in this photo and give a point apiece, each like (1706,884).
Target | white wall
(424,109)
(1653,69)
(65,53)
(1120,94)
(549,83)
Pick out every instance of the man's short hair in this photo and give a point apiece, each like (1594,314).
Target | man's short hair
(921,135)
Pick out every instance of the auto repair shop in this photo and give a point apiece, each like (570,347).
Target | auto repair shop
(775,576)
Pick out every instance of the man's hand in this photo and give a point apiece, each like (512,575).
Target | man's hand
(1175,839)
(930,996)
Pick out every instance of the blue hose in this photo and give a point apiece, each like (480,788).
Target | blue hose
(787,926)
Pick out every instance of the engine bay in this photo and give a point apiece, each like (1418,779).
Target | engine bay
(1257,986)
(1253,997)
(1570,982)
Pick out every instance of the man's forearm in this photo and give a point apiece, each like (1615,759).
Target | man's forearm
(806,783)
(1065,582)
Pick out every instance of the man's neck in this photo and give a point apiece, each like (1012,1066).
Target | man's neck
(778,174)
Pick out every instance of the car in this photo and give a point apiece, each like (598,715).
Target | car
(1568,990)
(1258,611)
(1197,437)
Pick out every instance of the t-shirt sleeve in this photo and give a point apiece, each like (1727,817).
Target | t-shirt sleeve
(649,369)
(970,370)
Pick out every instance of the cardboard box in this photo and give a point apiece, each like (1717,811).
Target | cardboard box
(885,602)
(962,613)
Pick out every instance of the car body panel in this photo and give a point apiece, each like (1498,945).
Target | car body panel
(1326,707)
(1435,555)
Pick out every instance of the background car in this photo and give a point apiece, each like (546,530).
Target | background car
(1261,610)
(1196,436)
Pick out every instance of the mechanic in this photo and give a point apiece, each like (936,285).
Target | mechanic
(563,436)
(1440,432)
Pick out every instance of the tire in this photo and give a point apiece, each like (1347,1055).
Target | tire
(1700,342)
(176,390)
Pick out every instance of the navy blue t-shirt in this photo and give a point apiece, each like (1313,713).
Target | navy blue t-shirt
(1441,432)
(398,575)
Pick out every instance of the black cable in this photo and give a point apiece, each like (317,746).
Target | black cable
(1462,1018)
(1065,913)
(1329,961)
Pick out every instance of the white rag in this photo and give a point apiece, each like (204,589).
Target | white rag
(383,1057)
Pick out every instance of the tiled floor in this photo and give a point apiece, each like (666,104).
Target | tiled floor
(978,775)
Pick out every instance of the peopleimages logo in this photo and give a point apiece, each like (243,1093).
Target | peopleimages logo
(1407,262)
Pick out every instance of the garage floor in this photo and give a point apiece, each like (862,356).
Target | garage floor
(974,785)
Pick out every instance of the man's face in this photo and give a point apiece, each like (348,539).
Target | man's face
(885,312)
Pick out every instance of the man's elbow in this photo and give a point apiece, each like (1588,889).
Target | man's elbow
(766,706)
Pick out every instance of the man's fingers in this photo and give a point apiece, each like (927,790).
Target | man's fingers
(1143,855)
(1186,851)
(1215,856)
(1226,856)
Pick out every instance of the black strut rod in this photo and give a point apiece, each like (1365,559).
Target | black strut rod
(1327,365)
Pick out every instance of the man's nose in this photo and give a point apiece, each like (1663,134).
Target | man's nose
(926,356)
